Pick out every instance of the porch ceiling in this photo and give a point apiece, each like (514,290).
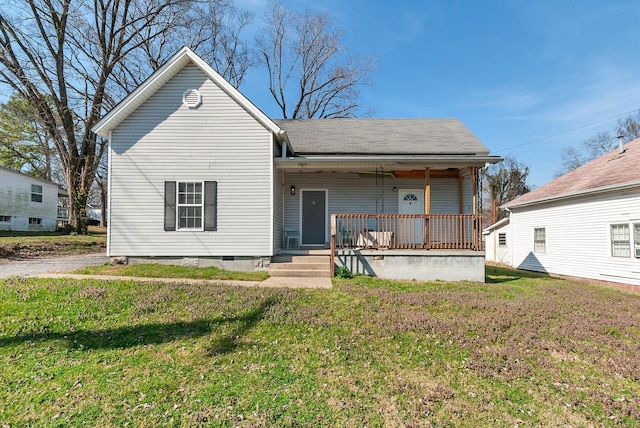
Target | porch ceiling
(389,163)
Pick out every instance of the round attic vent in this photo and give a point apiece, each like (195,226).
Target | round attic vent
(192,98)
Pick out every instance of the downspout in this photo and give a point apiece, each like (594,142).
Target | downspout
(109,175)
(510,240)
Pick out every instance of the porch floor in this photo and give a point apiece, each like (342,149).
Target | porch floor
(319,251)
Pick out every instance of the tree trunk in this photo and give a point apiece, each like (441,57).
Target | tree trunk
(103,202)
(78,196)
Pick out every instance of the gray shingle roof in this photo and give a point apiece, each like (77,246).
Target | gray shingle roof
(381,137)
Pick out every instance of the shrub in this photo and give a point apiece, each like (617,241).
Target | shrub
(343,272)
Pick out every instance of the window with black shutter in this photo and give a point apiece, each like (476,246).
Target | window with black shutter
(190,205)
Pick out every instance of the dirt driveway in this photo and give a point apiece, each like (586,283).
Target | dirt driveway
(50,264)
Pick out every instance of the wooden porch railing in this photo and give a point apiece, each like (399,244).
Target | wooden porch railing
(406,231)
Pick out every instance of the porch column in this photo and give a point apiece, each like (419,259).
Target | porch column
(474,187)
(461,194)
(427,190)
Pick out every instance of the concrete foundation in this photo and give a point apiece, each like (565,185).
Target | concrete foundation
(243,264)
(421,265)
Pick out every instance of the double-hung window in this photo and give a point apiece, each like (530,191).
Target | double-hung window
(636,234)
(620,240)
(36,193)
(539,240)
(190,205)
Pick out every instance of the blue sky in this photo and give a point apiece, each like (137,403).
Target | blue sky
(514,72)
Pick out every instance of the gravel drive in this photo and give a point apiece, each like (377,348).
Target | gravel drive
(50,264)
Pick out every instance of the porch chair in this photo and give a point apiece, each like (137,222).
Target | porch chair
(291,237)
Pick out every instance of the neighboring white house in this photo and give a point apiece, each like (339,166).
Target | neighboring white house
(585,223)
(197,171)
(497,242)
(28,203)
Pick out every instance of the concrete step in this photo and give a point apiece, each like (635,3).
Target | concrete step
(299,266)
(300,259)
(300,273)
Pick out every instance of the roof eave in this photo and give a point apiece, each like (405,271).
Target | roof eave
(301,162)
(572,195)
(495,225)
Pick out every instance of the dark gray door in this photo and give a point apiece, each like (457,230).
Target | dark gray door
(313,217)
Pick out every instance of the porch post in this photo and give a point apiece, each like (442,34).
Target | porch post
(333,245)
(477,222)
(427,190)
(474,187)
(461,194)
(427,207)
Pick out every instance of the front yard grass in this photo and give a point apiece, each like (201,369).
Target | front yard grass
(523,350)
(173,271)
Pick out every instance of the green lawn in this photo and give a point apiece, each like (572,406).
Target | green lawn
(521,350)
(172,271)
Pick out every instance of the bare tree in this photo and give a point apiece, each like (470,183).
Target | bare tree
(213,29)
(310,73)
(629,128)
(601,143)
(506,181)
(71,60)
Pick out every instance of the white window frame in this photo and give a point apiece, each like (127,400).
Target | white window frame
(35,193)
(620,236)
(636,240)
(5,219)
(35,221)
(180,205)
(540,245)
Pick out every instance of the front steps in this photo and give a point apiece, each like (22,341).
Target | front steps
(300,266)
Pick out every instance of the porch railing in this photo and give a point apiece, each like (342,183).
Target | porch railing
(406,231)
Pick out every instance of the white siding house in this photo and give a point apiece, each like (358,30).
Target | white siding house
(497,242)
(585,223)
(197,171)
(27,203)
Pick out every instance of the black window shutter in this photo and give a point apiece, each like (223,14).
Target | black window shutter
(211,205)
(169,205)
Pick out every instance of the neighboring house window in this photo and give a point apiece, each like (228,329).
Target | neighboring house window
(5,219)
(36,193)
(539,240)
(34,220)
(620,240)
(636,233)
(190,205)
(502,239)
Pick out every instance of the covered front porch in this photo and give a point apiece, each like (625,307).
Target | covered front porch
(422,224)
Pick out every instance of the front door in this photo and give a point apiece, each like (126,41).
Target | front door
(314,217)
(412,231)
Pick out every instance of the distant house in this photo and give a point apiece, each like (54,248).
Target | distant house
(198,172)
(28,203)
(497,242)
(585,223)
